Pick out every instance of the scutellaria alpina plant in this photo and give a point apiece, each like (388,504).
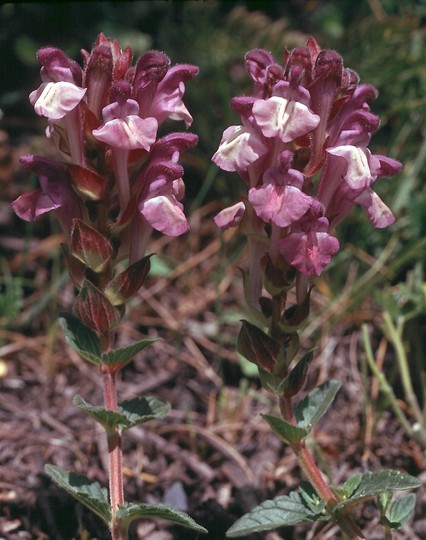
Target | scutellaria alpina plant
(302,151)
(115,181)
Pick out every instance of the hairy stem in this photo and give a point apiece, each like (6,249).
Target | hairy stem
(114,454)
(316,478)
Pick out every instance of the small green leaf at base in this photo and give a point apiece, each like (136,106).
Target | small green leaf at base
(89,493)
(372,484)
(129,413)
(400,511)
(288,432)
(310,497)
(131,511)
(286,510)
(314,405)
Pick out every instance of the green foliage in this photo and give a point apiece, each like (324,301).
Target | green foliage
(372,484)
(129,413)
(400,511)
(305,506)
(131,511)
(314,405)
(95,497)
(89,493)
(308,411)
(122,356)
(290,433)
(81,338)
(87,343)
(285,510)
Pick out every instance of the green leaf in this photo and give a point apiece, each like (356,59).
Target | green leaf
(311,498)
(290,433)
(121,357)
(377,482)
(350,485)
(89,493)
(129,511)
(81,338)
(129,413)
(310,409)
(286,510)
(401,510)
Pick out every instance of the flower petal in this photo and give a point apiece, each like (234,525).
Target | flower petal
(29,206)
(165,214)
(281,204)
(379,214)
(309,252)
(231,216)
(359,173)
(239,148)
(129,133)
(55,100)
(286,119)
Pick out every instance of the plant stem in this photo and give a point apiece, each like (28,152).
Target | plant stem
(316,478)
(114,453)
(395,336)
(384,385)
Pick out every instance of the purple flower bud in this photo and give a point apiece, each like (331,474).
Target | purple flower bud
(98,76)
(58,67)
(167,102)
(55,193)
(151,67)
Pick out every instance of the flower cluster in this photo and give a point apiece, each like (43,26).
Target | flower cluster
(301,149)
(116,180)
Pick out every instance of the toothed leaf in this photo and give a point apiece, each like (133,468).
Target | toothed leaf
(377,482)
(129,413)
(121,357)
(89,493)
(286,510)
(131,511)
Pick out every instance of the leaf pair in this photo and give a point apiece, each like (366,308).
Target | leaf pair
(303,507)
(128,414)
(87,343)
(308,411)
(95,497)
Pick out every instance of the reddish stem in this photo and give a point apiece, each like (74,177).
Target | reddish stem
(114,452)
(316,478)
